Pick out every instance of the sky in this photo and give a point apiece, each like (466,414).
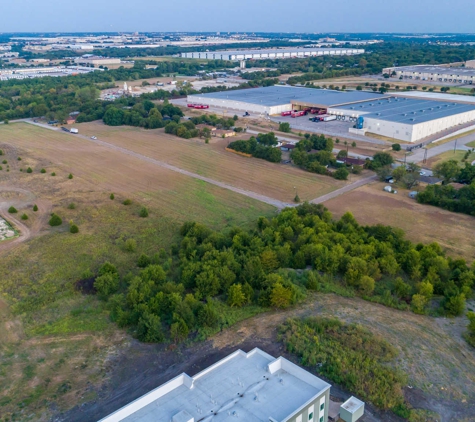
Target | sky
(238,15)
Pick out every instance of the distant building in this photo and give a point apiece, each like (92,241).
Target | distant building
(444,74)
(247,387)
(96,61)
(221,133)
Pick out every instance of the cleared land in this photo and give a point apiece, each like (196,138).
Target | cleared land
(54,342)
(422,223)
(213,161)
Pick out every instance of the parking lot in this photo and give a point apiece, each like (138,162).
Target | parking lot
(336,128)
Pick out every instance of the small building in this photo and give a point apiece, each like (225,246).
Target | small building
(351,161)
(352,410)
(287,147)
(248,387)
(71,120)
(202,126)
(222,133)
(97,61)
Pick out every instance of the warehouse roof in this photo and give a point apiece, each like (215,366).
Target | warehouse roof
(280,50)
(407,110)
(279,95)
(452,98)
(250,387)
(437,70)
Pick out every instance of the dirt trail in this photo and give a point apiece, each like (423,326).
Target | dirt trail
(28,199)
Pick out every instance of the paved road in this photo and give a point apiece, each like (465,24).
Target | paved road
(274,202)
(345,189)
(271,201)
(461,142)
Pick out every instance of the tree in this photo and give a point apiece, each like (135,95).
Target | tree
(35,207)
(207,316)
(106,284)
(359,88)
(396,147)
(280,296)
(419,303)
(24,217)
(399,173)
(12,210)
(70,176)
(112,197)
(130,245)
(29,170)
(284,127)
(297,198)
(55,220)
(236,296)
(341,174)
(143,261)
(447,170)
(381,159)
(455,305)
(74,229)
(384,172)
(149,328)
(179,330)
(366,285)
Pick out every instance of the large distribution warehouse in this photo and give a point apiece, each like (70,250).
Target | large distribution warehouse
(395,117)
(275,53)
(450,75)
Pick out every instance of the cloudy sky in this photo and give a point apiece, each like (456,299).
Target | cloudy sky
(238,15)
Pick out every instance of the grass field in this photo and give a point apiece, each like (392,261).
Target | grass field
(212,160)
(422,223)
(450,155)
(53,340)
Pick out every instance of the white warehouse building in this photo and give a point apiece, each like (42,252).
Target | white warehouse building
(448,75)
(275,53)
(408,119)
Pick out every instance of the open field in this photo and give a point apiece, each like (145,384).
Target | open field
(54,342)
(422,223)
(450,155)
(213,161)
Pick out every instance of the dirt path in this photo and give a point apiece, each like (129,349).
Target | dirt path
(437,360)
(44,209)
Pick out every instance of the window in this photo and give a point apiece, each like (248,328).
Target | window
(310,416)
(322,406)
(321,419)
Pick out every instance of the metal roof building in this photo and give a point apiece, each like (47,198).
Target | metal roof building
(408,119)
(454,75)
(248,387)
(274,53)
(276,99)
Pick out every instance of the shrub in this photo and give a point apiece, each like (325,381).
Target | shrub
(29,170)
(55,220)
(21,169)
(284,127)
(341,174)
(35,207)
(19,158)
(4,161)
(72,206)
(107,284)
(297,199)
(1,152)
(24,217)
(12,210)
(53,174)
(70,176)
(1,168)
(127,202)
(143,212)
(396,147)
(43,171)
(73,228)
(112,197)
(144,261)
(130,245)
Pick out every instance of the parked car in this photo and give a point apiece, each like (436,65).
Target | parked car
(422,173)
(93,137)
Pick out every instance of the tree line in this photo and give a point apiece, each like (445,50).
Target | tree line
(179,293)
(264,147)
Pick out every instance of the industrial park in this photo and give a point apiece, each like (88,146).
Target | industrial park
(231,212)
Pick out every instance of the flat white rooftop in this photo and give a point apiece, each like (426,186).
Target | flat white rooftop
(352,404)
(249,387)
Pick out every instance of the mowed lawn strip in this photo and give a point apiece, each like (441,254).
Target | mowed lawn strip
(212,160)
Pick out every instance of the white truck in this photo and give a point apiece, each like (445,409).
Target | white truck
(74,130)
(329,118)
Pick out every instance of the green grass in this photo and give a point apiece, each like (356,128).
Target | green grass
(450,155)
(471,144)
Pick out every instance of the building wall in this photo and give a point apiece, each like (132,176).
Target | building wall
(314,407)
(448,75)
(238,105)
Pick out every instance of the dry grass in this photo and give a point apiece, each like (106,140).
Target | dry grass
(213,161)
(450,155)
(54,341)
(422,223)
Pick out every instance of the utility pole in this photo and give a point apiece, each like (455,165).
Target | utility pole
(455,146)
(425,156)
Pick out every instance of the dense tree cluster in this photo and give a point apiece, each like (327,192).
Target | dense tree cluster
(350,356)
(262,147)
(314,154)
(447,196)
(174,296)
(143,113)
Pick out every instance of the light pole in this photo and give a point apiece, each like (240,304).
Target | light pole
(455,146)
